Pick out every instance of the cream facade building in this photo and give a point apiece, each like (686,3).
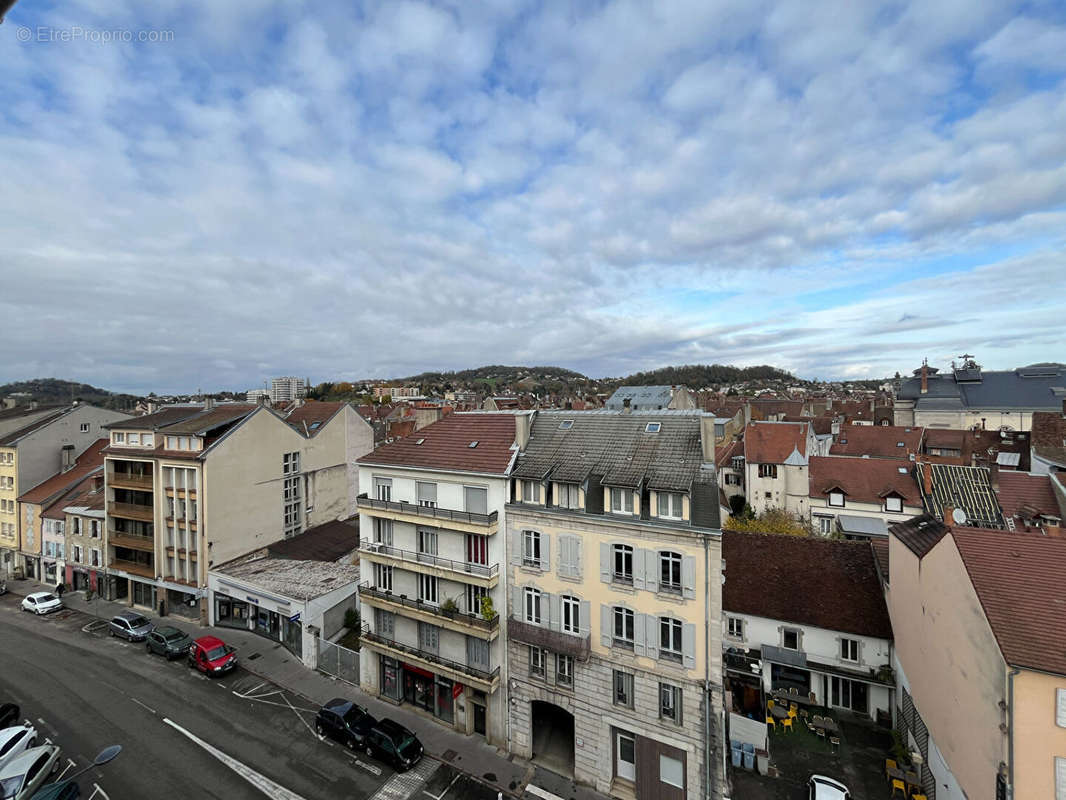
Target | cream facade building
(614,632)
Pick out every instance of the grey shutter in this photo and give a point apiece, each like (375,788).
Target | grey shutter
(515,543)
(585,623)
(605,625)
(545,551)
(605,562)
(651,570)
(575,556)
(518,603)
(652,636)
(688,576)
(564,561)
(555,611)
(639,624)
(688,645)
(638,569)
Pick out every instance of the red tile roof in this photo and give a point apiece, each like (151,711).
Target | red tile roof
(92,458)
(445,445)
(724,454)
(865,480)
(762,571)
(773,442)
(822,426)
(1018,579)
(1049,435)
(1026,496)
(309,413)
(878,441)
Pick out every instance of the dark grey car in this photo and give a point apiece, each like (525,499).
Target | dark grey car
(168,641)
(131,626)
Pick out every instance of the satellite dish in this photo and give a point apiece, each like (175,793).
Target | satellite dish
(959,516)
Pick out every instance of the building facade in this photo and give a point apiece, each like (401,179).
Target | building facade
(776,466)
(613,633)
(286,390)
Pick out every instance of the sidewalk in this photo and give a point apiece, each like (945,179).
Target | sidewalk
(271,661)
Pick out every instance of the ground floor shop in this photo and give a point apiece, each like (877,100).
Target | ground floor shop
(833,688)
(254,613)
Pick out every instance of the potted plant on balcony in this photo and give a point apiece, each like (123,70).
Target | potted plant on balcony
(449,606)
(487,609)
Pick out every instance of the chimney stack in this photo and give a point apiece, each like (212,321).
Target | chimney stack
(993,476)
(626,409)
(522,424)
(925,377)
(707,437)
(927,477)
(949,519)
(209,403)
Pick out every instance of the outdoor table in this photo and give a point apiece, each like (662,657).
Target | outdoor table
(908,777)
(826,724)
(798,699)
(778,712)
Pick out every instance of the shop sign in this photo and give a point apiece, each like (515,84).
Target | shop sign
(457,689)
(295,617)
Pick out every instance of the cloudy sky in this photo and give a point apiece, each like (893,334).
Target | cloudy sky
(205,194)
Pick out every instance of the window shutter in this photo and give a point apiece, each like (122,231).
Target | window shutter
(555,611)
(605,562)
(651,570)
(638,568)
(688,576)
(564,561)
(652,631)
(585,623)
(545,551)
(605,625)
(518,603)
(639,626)
(1060,707)
(688,645)
(516,547)
(575,556)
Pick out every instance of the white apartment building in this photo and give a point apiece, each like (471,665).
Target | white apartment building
(285,390)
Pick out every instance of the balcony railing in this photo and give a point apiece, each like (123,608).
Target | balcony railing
(432,658)
(474,620)
(569,644)
(130,479)
(131,511)
(133,567)
(132,540)
(430,512)
(481,570)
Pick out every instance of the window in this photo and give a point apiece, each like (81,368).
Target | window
(94,528)
(670,702)
(732,479)
(384,623)
(290,489)
(825,525)
(84,427)
(623,689)
(427,542)
(1060,778)
(735,627)
(670,572)
(171,442)
(383,488)
(670,505)
(147,440)
(566,424)
(533,599)
(383,577)
(427,589)
(790,638)
(477,549)
(77,553)
(768,470)
(531,549)
(671,771)
(428,637)
(670,638)
(836,498)
(536,661)
(653,427)
(621,501)
(893,503)
(564,670)
(290,464)
(623,627)
(474,596)
(383,531)
(569,556)
(849,650)
(530,492)
(623,563)
(1060,707)
(133,438)
(477,653)
(427,494)
(571,614)
(77,527)
(476,499)
(568,496)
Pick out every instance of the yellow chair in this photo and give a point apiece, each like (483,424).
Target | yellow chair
(771,722)
(898,784)
(889,764)
(769,704)
(792,711)
(919,797)
(786,723)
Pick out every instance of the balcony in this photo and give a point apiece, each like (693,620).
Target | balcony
(179,492)
(182,552)
(568,644)
(129,480)
(459,621)
(486,681)
(183,522)
(431,516)
(131,540)
(133,568)
(487,575)
(131,511)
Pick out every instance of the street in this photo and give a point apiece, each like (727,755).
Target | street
(183,734)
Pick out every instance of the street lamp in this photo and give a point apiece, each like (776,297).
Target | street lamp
(54,790)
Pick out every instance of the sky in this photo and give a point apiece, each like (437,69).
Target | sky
(205,194)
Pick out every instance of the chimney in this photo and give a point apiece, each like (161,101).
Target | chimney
(209,403)
(925,377)
(522,423)
(949,519)
(626,406)
(152,407)
(927,476)
(993,476)
(67,458)
(707,437)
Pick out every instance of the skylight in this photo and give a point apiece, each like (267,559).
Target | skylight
(899,444)
(566,424)
(902,470)
(315,425)
(420,441)
(473,444)
(653,427)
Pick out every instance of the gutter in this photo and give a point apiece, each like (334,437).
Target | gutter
(1010,730)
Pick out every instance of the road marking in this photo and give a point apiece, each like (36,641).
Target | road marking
(256,688)
(46,725)
(66,769)
(403,784)
(94,626)
(286,704)
(272,790)
(299,717)
(544,794)
(142,705)
(373,770)
(446,788)
(98,791)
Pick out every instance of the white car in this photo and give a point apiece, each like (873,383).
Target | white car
(16,740)
(28,771)
(823,788)
(41,602)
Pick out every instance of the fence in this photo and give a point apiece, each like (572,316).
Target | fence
(340,662)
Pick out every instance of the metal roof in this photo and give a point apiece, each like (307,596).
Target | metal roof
(865,526)
(642,397)
(1032,387)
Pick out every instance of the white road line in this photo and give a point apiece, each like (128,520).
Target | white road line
(544,794)
(374,770)
(300,717)
(70,765)
(403,784)
(261,782)
(97,791)
(446,788)
(256,688)
(142,705)
(286,704)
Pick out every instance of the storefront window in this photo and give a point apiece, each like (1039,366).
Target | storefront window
(445,709)
(390,681)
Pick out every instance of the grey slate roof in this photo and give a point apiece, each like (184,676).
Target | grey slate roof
(614,449)
(863,526)
(921,534)
(1022,388)
(640,397)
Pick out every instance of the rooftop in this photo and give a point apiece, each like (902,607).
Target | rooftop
(774,442)
(864,480)
(476,442)
(920,534)
(641,397)
(1030,387)
(11,439)
(312,415)
(878,441)
(962,488)
(90,460)
(165,416)
(1049,436)
(1025,496)
(329,541)
(292,578)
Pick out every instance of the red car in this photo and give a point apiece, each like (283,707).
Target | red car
(212,656)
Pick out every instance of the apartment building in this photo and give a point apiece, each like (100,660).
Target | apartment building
(433,591)
(31,454)
(776,461)
(861,497)
(191,486)
(614,615)
(287,389)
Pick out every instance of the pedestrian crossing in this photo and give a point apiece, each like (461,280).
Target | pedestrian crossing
(404,784)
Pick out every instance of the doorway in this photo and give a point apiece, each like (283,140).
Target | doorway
(553,737)
(625,755)
(479,718)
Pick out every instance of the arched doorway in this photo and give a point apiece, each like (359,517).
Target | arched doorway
(553,737)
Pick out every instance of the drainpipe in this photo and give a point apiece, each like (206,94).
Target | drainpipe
(707,665)
(1010,731)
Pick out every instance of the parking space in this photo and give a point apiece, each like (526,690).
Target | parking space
(70,761)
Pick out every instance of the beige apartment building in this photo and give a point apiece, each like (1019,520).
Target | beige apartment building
(980,659)
(191,486)
(614,615)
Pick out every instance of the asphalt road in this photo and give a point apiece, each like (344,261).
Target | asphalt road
(86,690)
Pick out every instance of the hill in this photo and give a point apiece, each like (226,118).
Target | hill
(55,390)
(699,376)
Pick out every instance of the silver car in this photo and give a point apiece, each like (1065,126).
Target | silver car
(25,773)
(16,740)
(131,626)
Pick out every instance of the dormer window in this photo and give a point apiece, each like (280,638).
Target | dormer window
(670,504)
(836,498)
(894,503)
(118,437)
(568,496)
(530,492)
(134,439)
(621,501)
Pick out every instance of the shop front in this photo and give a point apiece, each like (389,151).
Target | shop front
(434,694)
(80,578)
(271,617)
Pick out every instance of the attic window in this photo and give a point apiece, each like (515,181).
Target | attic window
(420,441)
(902,470)
(653,427)
(315,425)
(899,444)
(566,424)
(473,444)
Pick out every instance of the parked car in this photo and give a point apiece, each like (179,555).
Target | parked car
(63,790)
(3,586)
(15,740)
(168,641)
(212,656)
(130,625)
(823,788)
(345,722)
(41,602)
(391,742)
(25,773)
(9,715)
